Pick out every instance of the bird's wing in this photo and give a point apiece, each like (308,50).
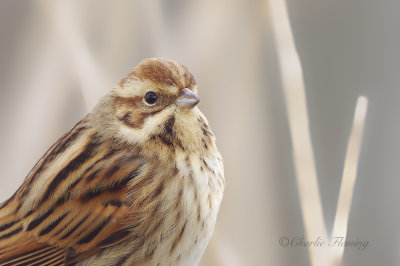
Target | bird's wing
(71,204)
(62,236)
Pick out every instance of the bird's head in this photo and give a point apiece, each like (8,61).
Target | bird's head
(157,101)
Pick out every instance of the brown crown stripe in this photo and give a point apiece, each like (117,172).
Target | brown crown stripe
(162,72)
(156,72)
(77,162)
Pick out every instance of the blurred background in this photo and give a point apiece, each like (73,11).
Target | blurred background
(57,58)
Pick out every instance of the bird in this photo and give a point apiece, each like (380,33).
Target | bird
(138,181)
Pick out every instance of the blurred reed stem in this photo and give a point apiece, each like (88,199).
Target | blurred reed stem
(307,180)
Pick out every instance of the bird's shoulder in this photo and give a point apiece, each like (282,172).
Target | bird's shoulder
(74,201)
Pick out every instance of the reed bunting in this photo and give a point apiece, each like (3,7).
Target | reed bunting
(138,181)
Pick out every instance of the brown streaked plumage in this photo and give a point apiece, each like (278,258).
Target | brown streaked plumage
(138,181)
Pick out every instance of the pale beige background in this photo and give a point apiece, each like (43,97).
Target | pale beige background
(57,58)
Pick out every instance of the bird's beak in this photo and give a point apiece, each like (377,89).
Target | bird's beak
(187,99)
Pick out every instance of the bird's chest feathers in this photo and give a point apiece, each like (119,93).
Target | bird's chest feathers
(201,187)
(202,180)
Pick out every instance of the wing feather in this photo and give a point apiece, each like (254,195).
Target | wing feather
(75,202)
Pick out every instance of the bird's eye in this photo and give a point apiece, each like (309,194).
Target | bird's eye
(150,98)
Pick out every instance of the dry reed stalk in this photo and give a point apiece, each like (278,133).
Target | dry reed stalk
(293,85)
(349,176)
(307,180)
